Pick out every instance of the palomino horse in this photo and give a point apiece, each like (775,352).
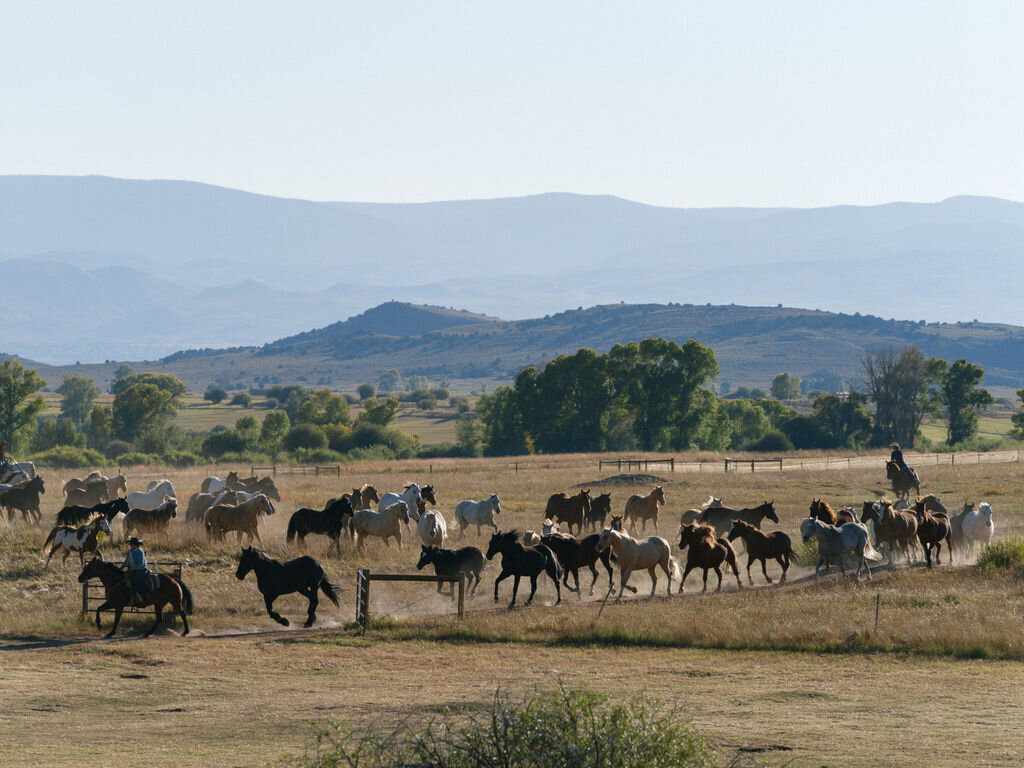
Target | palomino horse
(720,518)
(902,482)
(115,485)
(83,539)
(24,498)
(639,554)
(151,520)
(644,508)
(243,518)
(432,528)
(518,561)
(330,521)
(571,510)
(706,551)
(833,540)
(120,594)
(472,511)
(384,525)
(90,496)
(274,578)
(896,529)
(931,530)
(761,546)
(450,563)
(412,496)
(199,502)
(977,524)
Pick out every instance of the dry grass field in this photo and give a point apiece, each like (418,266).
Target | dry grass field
(772,669)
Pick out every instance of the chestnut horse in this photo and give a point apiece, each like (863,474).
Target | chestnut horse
(571,510)
(706,552)
(821,510)
(895,528)
(931,531)
(761,546)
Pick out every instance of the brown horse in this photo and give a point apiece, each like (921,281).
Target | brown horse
(706,552)
(151,520)
(896,529)
(820,510)
(902,481)
(931,530)
(571,510)
(119,594)
(243,518)
(720,518)
(761,546)
(644,508)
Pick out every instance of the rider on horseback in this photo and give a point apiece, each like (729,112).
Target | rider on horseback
(138,570)
(897,459)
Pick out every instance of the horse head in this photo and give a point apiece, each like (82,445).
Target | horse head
(495,503)
(605,539)
(769,511)
(616,523)
(246,563)
(739,527)
(585,500)
(659,494)
(548,527)
(807,528)
(369,494)
(985,509)
(499,541)
(426,556)
(120,505)
(428,493)
(92,568)
(103,525)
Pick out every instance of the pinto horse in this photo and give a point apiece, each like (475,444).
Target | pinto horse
(119,594)
(83,539)
(518,561)
(274,578)
(571,510)
(706,551)
(931,531)
(329,521)
(451,562)
(644,508)
(638,554)
(761,546)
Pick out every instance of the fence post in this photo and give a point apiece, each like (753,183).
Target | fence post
(363,598)
(85,598)
(878,604)
(462,594)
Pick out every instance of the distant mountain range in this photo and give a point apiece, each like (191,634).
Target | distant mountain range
(471,351)
(95,268)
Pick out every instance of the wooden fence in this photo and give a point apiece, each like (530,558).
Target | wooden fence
(299,469)
(93,592)
(364,576)
(643,464)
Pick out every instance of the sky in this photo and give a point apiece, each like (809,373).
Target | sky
(687,104)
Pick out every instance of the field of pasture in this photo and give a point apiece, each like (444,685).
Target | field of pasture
(766,671)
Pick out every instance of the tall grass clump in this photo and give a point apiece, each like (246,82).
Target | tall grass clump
(563,728)
(1003,556)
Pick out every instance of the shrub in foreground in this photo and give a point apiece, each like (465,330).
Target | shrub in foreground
(568,729)
(1005,555)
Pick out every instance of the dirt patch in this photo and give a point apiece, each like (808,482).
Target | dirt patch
(639,479)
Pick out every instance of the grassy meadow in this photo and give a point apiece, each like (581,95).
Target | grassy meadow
(755,669)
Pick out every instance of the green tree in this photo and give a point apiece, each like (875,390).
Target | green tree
(747,423)
(79,395)
(100,428)
(305,436)
(963,399)
(904,386)
(56,431)
(785,387)
(248,428)
(17,412)
(122,371)
(380,412)
(366,391)
(323,407)
(139,408)
(243,399)
(1018,418)
(215,395)
(844,419)
(166,382)
(503,430)
(469,434)
(275,427)
(389,380)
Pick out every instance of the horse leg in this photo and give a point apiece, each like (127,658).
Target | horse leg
(706,581)
(503,575)
(750,562)
(654,580)
(533,587)
(158,611)
(256,532)
(314,601)
(268,600)
(515,590)
(783,561)
(764,570)
(686,572)
(104,607)
(117,620)
(52,552)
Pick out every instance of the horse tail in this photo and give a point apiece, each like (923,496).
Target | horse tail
(329,589)
(187,603)
(51,537)
(870,553)
(674,567)
(554,570)
(291,529)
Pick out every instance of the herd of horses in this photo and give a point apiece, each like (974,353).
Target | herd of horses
(576,534)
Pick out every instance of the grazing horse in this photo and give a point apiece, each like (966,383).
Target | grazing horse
(274,578)
(83,539)
(573,555)
(384,525)
(821,510)
(433,528)
(330,522)
(571,510)
(644,508)
(120,594)
(600,508)
(518,561)
(151,520)
(638,554)
(896,529)
(24,498)
(761,546)
(243,518)
(152,498)
(78,515)
(472,511)
(977,524)
(451,562)
(720,518)
(833,540)
(706,551)
(931,530)
(902,481)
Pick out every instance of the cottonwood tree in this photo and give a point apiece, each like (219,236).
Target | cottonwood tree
(963,398)
(79,396)
(785,387)
(904,386)
(18,413)
(139,408)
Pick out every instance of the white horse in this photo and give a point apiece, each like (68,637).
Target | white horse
(977,524)
(638,554)
(479,512)
(433,528)
(154,497)
(384,525)
(412,496)
(15,473)
(836,540)
(713,501)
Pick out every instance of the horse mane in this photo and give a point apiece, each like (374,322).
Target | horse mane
(705,531)
(826,506)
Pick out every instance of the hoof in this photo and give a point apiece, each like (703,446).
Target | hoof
(108,635)
(308,624)
(283,621)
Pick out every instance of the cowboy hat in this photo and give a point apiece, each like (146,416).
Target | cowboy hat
(133,541)
(894,445)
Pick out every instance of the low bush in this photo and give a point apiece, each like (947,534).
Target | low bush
(182,459)
(568,729)
(136,458)
(68,457)
(1005,555)
(773,441)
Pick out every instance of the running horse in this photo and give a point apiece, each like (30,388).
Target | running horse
(518,561)
(902,482)
(644,508)
(274,578)
(706,551)
(571,510)
(119,594)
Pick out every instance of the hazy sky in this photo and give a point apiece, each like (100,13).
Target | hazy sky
(673,103)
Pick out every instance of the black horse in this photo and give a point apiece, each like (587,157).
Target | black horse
(519,561)
(600,508)
(452,562)
(902,482)
(573,555)
(76,515)
(303,575)
(119,594)
(24,498)
(330,521)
